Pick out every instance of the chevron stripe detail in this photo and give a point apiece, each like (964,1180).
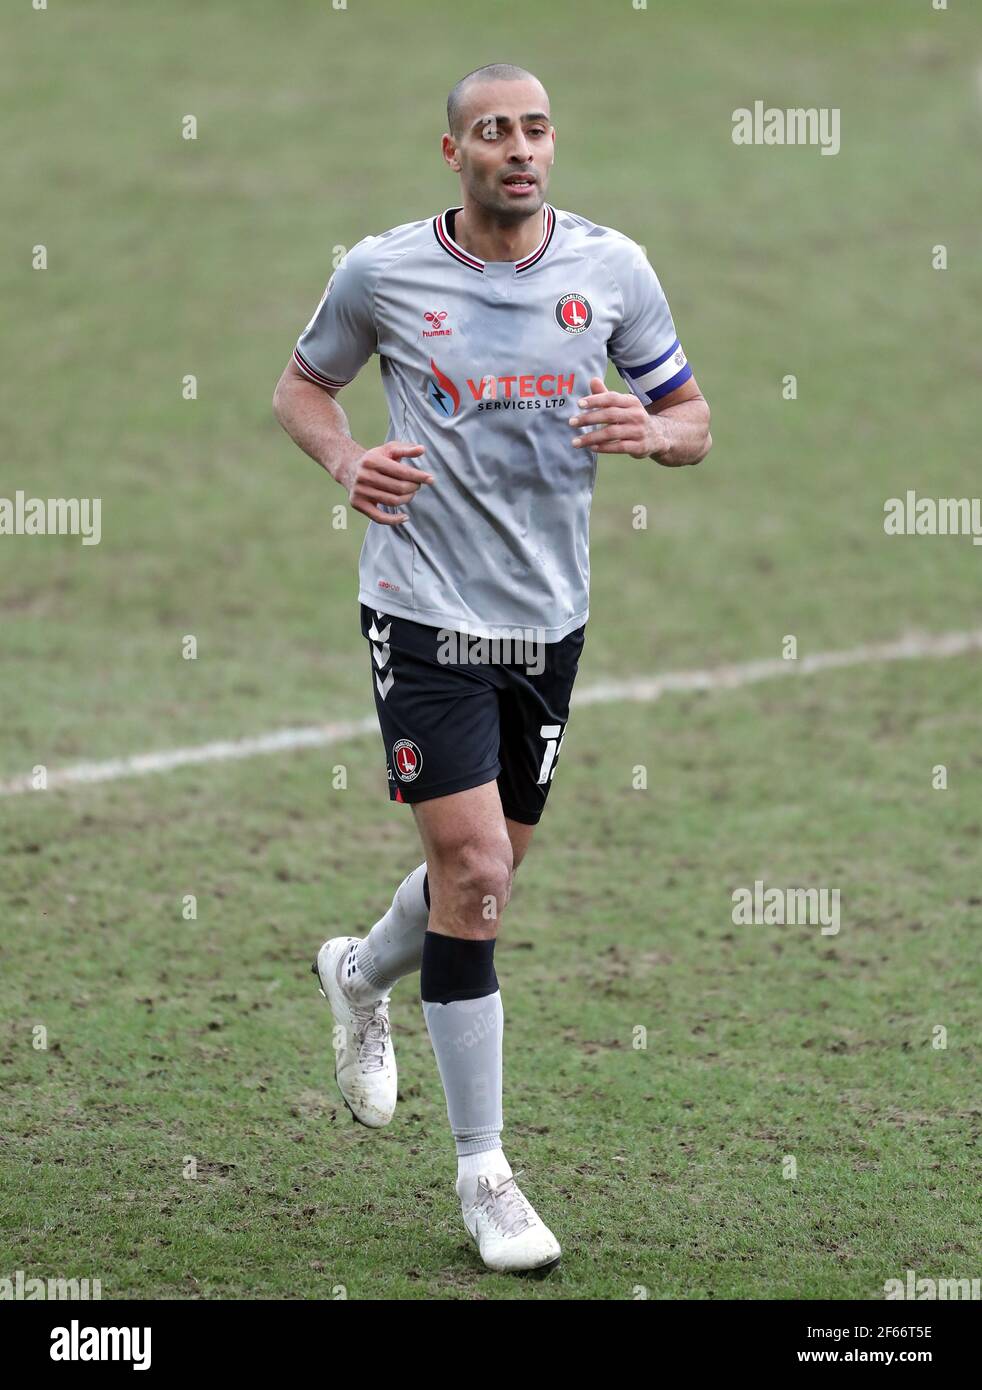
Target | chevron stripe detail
(379,633)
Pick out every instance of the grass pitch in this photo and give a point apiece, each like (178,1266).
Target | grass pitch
(661,1168)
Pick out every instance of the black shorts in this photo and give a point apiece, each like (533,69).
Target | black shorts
(456,713)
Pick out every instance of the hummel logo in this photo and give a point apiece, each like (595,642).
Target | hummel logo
(436,329)
(382,652)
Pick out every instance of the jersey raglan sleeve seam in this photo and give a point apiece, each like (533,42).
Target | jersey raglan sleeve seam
(377,275)
(308,368)
(380,271)
(620,300)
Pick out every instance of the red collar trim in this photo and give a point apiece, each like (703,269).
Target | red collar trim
(442,233)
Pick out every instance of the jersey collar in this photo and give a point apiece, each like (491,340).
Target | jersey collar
(442,233)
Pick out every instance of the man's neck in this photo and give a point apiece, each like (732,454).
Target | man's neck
(490,240)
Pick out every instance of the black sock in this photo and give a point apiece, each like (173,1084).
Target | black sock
(455,968)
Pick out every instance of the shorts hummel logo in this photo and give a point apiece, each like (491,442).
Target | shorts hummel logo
(381,654)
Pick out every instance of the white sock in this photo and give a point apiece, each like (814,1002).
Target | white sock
(490,1164)
(394,946)
(358,988)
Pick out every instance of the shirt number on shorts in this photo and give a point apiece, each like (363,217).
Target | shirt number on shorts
(554,735)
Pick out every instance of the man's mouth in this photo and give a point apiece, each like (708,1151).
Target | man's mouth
(519,183)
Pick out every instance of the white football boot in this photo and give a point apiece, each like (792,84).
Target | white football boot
(508,1231)
(365,1061)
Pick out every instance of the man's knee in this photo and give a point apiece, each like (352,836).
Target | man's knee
(478,873)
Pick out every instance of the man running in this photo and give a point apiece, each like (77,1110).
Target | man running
(493,323)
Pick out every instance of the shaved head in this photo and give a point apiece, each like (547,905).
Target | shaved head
(501,144)
(493,72)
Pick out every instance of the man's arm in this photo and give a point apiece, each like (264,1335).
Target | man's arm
(682,417)
(673,431)
(314,420)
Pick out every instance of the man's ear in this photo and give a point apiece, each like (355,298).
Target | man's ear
(448,145)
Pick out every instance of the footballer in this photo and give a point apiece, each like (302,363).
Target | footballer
(493,323)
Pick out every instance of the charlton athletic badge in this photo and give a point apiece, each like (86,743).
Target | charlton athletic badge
(408,760)
(573,313)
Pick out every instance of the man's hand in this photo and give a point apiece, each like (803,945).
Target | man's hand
(674,433)
(629,427)
(315,420)
(379,477)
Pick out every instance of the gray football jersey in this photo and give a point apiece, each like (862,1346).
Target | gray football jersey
(483,364)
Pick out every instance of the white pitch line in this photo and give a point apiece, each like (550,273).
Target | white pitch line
(228,750)
(915,646)
(910,648)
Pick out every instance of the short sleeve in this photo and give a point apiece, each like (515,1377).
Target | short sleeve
(342,335)
(644,347)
